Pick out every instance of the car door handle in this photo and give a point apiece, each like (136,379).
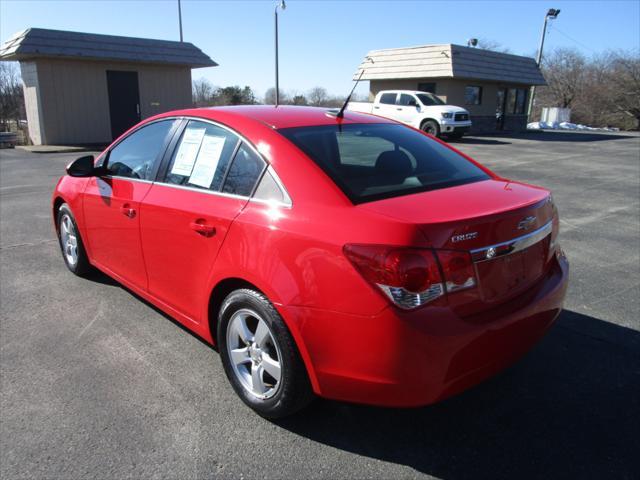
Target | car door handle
(399,109)
(128,211)
(202,228)
(376,107)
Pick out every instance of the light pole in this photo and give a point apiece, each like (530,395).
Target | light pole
(180,19)
(282,6)
(552,14)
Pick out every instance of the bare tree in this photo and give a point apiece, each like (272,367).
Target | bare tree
(270,97)
(624,75)
(11,95)
(564,69)
(488,44)
(318,96)
(202,91)
(299,100)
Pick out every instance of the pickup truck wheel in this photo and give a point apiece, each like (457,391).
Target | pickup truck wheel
(431,127)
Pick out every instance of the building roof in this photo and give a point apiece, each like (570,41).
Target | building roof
(43,43)
(450,61)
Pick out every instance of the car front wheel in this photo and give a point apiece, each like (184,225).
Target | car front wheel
(260,357)
(73,252)
(431,127)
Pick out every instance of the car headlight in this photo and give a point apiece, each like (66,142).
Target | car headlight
(446,114)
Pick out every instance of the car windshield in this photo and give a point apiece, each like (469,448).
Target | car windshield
(429,99)
(373,161)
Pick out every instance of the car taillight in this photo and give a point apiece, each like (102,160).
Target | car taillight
(411,277)
(457,268)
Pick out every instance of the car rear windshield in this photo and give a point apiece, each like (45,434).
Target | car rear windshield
(374,161)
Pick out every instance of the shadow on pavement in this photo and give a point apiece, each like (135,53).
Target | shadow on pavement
(567,136)
(477,141)
(569,409)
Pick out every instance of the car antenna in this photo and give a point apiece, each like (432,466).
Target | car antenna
(340,114)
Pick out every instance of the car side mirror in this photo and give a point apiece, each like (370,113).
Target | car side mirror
(83,167)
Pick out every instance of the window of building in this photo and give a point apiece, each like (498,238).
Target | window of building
(511,100)
(245,171)
(388,98)
(202,156)
(521,97)
(427,87)
(472,95)
(136,156)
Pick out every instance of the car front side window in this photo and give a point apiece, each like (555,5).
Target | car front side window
(136,156)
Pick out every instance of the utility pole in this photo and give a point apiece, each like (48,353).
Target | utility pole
(180,18)
(552,14)
(282,6)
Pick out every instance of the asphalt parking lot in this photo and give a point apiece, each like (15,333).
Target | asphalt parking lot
(96,383)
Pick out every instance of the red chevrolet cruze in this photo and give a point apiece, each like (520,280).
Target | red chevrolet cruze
(353,258)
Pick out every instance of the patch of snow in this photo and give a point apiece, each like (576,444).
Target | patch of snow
(567,126)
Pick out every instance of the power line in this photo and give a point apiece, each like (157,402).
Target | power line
(571,38)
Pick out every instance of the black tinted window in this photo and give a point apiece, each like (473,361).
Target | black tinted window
(136,155)
(429,99)
(375,161)
(202,156)
(388,98)
(407,100)
(244,172)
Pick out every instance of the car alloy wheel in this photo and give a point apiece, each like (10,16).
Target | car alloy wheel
(254,354)
(69,240)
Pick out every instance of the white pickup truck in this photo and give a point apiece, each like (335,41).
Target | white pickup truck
(420,110)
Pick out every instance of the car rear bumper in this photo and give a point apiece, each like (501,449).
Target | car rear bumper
(405,359)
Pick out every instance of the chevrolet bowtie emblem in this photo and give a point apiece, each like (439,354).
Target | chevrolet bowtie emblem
(526,223)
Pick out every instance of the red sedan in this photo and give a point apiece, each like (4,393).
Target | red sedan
(352,258)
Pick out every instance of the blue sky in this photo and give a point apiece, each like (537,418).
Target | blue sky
(322,42)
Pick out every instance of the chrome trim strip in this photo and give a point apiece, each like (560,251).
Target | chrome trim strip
(201,190)
(120,177)
(512,246)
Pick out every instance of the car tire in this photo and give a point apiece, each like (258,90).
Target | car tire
(71,245)
(252,339)
(431,127)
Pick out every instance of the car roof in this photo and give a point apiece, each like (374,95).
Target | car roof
(283,116)
(415,92)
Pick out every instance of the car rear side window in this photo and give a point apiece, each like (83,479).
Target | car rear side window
(388,98)
(246,169)
(202,156)
(137,154)
(373,161)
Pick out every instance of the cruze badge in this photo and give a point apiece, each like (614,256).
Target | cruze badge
(464,236)
(526,223)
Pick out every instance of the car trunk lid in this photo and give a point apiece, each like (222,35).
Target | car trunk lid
(507,227)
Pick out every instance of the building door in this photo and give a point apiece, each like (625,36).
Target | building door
(124,101)
(501,99)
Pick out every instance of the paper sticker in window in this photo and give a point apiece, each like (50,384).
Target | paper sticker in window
(207,161)
(188,151)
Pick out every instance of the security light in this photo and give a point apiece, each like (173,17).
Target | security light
(553,13)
